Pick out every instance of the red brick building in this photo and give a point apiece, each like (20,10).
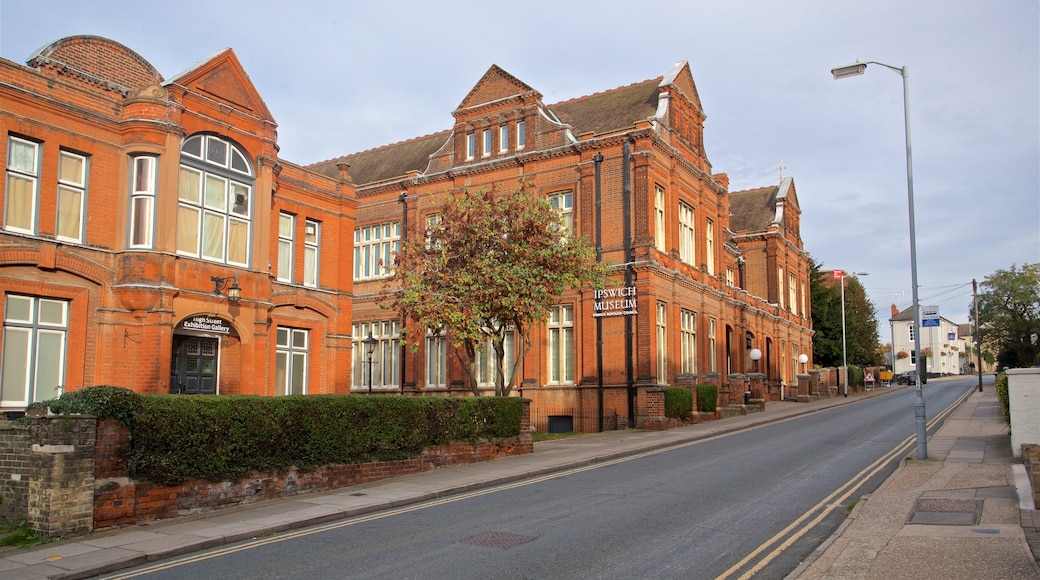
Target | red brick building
(712,275)
(152,237)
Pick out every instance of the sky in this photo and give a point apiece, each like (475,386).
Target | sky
(344,76)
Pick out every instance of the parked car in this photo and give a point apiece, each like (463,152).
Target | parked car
(907,378)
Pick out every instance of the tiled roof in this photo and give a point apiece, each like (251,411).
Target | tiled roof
(611,110)
(387,162)
(752,210)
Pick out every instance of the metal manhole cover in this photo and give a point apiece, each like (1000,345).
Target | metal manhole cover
(500,540)
(937,511)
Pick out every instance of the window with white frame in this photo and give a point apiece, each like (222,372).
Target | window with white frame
(487,361)
(910,328)
(792,293)
(286,246)
(380,367)
(794,360)
(142,201)
(709,249)
(311,245)
(471,146)
(290,363)
(563,203)
(801,299)
(659,230)
(23,182)
(780,286)
(730,279)
(503,138)
(374,248)
(436,359)
(521,137)
(561,344)
(34,343)
(712,346)
(687,233)
(688,341)
(72,194)
(662,343)
(487,143)
(215,194)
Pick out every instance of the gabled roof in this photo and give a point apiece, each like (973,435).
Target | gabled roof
(222,77)
(495,85)
(752,210)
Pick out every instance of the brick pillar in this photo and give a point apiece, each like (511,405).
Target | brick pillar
(115,494)
(803,388)
(756,384)
(61,480)
(815,389)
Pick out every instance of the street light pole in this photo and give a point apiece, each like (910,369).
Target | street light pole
(855,69)
(844,349)
(370,346)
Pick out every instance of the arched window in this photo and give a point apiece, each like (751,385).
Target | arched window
(215,201)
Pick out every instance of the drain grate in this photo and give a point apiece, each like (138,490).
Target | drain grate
(500,540)
(936,511)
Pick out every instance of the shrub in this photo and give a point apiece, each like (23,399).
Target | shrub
(856,375)
(707,398)
(1001,386)
(219,437)
(678,403)
(101,401)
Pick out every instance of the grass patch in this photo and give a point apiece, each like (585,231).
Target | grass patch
(20,535)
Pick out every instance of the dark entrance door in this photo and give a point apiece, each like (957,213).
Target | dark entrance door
(194,365)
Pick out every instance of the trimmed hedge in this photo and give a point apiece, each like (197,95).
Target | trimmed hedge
(1001,387)
(678,403)
(222,437)
(707,398)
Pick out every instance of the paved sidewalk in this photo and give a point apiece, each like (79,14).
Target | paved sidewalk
(110,551)
(957,514)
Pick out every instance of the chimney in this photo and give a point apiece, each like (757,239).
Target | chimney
(894,311)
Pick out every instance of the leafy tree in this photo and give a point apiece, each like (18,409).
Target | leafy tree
(1009,311)
(861,334)
(494,262)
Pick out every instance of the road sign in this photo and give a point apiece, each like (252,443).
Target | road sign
(929,316)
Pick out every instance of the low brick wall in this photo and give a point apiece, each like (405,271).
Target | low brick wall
(14,472)
(1031,457)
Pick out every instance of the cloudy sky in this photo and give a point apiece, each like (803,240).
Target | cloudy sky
(344,76)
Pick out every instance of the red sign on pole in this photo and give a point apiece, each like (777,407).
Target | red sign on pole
(839,274)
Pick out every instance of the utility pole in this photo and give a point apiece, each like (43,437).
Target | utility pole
(978,338)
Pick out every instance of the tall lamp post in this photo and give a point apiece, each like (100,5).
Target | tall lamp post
(844,348)
(856,69)
(370,348)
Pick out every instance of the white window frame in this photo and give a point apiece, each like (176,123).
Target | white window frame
(563,203)
(311,252)
(503,139)
(374,249)
(27,170)
(780,286)
(34,349)
(660,241)
(688,341)
(561,357)
(521,138)
(713,354)
(219,202)
(709,248)
(662,343)
(286,246)
(385,357)
(72,186)
(471,146)
(486,148)
(792,293)
(730,276)
(687,234)
(142,201)
(436,359)
(487,364)
(292,347)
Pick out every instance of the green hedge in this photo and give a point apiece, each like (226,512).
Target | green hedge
(1001,386)
(707,398)
(856,375)
(678,403)
(221,437)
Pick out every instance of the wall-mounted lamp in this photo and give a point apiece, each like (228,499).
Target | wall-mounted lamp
(234,292)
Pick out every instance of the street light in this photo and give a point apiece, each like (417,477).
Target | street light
(370,347)
(855,69)
(844,350)
(803,358)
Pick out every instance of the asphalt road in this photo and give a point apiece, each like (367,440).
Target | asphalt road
(755,502)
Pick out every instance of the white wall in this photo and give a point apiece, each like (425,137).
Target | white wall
(1024,405)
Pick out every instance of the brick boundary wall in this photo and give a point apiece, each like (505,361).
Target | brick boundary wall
(14,472)
(1031,457)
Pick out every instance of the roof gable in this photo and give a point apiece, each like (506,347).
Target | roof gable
(222,77)
(681,79)
(495,85)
